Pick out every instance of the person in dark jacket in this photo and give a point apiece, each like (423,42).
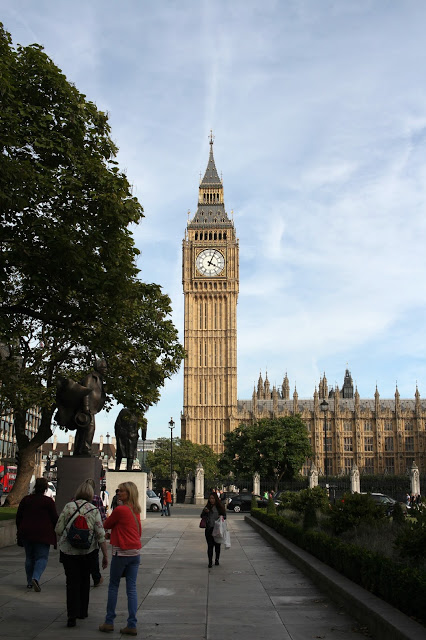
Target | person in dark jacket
(35,521)
(213,509)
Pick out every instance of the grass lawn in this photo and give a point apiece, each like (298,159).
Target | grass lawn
(8,513)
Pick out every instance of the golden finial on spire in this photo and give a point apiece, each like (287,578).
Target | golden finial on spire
(211,136)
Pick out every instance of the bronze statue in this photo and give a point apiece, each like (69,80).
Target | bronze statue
(126,433)
(78,403)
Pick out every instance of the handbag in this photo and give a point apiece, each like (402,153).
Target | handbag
(203,522)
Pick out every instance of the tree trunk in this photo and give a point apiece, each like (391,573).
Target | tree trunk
(23,476)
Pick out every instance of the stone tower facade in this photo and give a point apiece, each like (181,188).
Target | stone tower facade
(210,278)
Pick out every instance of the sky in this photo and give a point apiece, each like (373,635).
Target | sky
(318,109)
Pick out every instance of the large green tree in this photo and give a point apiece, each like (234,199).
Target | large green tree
(69,282)
(275,448)
(186,456)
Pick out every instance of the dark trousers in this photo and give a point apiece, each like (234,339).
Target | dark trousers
(211,544)
(94,568)
(77,571)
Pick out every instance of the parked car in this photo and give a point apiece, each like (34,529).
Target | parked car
(227,495)
(152,501)
(386,501)
(242,502)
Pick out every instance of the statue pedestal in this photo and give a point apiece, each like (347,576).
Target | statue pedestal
(114,478)
(71,472)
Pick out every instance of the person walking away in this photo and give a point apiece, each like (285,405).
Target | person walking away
(169,501)
(162,496)
(78,562)
(105,498)
(213,509)
(35,522)
(126,531)
(114,502)
(95,571)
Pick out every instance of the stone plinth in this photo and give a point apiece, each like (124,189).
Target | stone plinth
(71,472)
(114,478)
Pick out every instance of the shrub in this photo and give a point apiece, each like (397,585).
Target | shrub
(310,520)
(354,509)
(253,503)
(411,541)
(297,501)
(271,508)
(398,515)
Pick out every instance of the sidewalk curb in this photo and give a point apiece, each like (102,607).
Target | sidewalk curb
(384,621)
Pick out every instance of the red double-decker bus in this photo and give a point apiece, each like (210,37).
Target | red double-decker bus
(9,476)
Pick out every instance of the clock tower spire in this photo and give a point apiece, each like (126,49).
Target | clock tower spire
(210,277)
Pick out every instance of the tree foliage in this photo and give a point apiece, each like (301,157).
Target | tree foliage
(275,448)
(69,282)
(186,456)
(297,500)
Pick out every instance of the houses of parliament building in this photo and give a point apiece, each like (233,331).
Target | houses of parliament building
(378,435)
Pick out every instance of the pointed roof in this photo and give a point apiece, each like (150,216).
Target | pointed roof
(211,176)
(211,208)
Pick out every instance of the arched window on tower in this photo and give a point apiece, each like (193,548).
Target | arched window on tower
(220,236)
(196,236)
(210,236)
(224,236)
(215,235)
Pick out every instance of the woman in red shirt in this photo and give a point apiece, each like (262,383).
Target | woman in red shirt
(126,531)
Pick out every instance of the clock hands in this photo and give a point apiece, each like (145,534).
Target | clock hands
(212,263)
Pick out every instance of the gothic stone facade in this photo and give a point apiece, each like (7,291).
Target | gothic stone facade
(378,435)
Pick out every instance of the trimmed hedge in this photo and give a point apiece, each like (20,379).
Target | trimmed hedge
(401,587)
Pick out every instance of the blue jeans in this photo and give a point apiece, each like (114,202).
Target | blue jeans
(123,566)
(36,557)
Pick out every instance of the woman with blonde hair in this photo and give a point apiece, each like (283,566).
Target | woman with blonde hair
(79,561)
(126,530)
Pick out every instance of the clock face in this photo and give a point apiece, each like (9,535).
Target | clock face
(210,262)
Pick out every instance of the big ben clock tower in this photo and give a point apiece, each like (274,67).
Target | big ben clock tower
(210,286)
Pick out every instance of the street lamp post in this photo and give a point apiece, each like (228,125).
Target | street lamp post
(324,409)
(171,427)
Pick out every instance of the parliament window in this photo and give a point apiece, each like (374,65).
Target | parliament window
(368,444)
(389,443)
(388,425)
(347,444)
(408,425)
(409,443)
(369,465)
(348,465)
(367,425)
(347,425)
(390,465)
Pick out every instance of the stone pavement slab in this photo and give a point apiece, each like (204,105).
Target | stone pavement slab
(254,594)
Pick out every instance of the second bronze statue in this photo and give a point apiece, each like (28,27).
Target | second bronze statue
(126,433)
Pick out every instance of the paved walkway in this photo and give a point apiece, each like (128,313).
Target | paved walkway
(254,594)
